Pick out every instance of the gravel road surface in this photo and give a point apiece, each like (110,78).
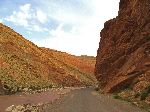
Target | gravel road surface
(88,100)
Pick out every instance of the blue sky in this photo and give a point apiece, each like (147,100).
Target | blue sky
(71,26)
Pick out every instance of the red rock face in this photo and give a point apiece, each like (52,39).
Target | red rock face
(124,49)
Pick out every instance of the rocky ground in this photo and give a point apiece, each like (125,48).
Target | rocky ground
(30,100)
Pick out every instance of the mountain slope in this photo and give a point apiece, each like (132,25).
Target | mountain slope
(25,65)
(79,68)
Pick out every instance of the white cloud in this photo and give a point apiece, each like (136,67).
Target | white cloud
(27,17)
(41,16)
(82,41)
(21,17)
(84,18)
(83,38)
(25,8)
(37,28)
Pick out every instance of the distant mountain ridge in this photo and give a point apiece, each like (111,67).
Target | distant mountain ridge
(25,65)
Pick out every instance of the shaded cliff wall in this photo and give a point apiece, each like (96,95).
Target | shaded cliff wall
(123,55)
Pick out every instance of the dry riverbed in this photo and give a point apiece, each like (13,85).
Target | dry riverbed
(26,102)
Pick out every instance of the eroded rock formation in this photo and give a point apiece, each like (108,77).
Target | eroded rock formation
(123,57)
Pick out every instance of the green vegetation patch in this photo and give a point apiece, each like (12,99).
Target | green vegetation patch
(148,38)
(145,93)
(116,96)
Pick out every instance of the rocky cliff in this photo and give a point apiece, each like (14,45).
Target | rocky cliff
(123,56)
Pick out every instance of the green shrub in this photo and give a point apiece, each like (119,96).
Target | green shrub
(116,96)
(9,84)
(137,95)
(145,93)
(96,89)
(148,37)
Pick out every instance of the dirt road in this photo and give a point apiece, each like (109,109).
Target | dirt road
(88,100)
(75,100)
